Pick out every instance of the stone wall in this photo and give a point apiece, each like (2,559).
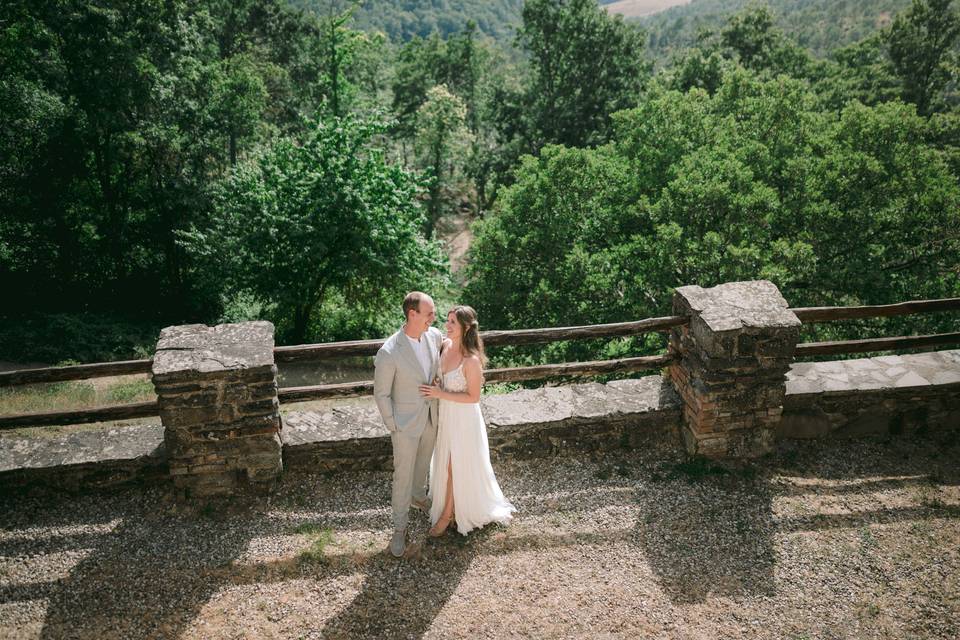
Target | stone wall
(217,392)
(525,423)
(887,395)
(849,398)
(85,460)
(731,360)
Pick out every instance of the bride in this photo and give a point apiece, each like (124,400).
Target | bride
(460,470)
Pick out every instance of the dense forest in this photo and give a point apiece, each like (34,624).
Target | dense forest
(407,19)
(168,161)
(819,26)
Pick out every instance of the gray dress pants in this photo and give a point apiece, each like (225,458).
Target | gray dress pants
(411,463)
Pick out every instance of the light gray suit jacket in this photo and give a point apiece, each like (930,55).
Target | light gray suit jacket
(397,380)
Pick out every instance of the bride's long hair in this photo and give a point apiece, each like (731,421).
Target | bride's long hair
(470,341)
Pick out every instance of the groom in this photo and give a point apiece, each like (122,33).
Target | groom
(408,359)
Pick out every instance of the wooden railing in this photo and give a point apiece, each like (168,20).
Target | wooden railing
(810,315)
(314,352)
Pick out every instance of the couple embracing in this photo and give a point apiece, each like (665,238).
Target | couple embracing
(427,388)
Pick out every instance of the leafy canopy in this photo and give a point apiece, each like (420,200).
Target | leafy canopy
(301,223)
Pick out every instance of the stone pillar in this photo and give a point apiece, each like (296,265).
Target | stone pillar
(733,357)
(217,391)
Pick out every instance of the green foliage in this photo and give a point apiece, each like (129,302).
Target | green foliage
(160,162)
(300,222)
(409,19)
(697,68)
(544,257)
(460,62)
(338,62)
(921,43)
(80,337)
(753,182)
(818,26)
(117,123)
(472,71)
(585,64)
(863,72)
(442,139)
(759,45)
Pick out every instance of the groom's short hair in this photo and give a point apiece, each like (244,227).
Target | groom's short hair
(412,302)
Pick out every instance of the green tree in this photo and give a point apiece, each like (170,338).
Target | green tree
(861,71)
(301,224)
(441,136)
(921,43)
(755,181)
(548,254)
(333,54)
(701,67)
(460,63)
(585,65)
(238,100)
(761,46)
(470,70)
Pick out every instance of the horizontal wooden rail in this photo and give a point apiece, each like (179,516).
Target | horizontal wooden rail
(875,344)
(825,314)
(490,338)
(514,374)
(594,368)
(533,336)
(323,350)
(326,391)
(296,353)
(81,416)
(74,372)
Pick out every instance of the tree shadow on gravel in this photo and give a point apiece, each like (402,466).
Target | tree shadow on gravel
(708,529)
(131,567)
(401,598)
(141,573)
(138,566)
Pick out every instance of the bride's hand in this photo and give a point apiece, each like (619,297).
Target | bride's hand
(429,391)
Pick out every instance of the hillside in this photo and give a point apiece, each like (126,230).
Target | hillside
(404,19)
(641,8)
(496,18)
(819,25)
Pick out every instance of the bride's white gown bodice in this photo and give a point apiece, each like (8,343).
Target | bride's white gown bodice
(462,440)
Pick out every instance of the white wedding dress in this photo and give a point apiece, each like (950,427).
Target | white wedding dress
(462,440)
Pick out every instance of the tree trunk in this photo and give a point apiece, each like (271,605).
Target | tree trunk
(301,322)
(115,215)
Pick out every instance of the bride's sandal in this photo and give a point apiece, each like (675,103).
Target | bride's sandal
(437,530)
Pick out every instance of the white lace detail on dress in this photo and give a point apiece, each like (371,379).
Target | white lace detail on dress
(454,380)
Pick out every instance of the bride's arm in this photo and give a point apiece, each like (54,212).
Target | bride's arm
(473,372)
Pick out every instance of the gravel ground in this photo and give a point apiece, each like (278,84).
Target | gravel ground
(823,540)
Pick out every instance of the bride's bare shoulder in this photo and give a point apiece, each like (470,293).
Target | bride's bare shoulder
(472,361)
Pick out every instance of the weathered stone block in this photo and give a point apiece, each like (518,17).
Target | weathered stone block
(270,406)
(731,365)
(217,393)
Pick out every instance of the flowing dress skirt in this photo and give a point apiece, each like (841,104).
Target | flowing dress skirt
(462,440)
